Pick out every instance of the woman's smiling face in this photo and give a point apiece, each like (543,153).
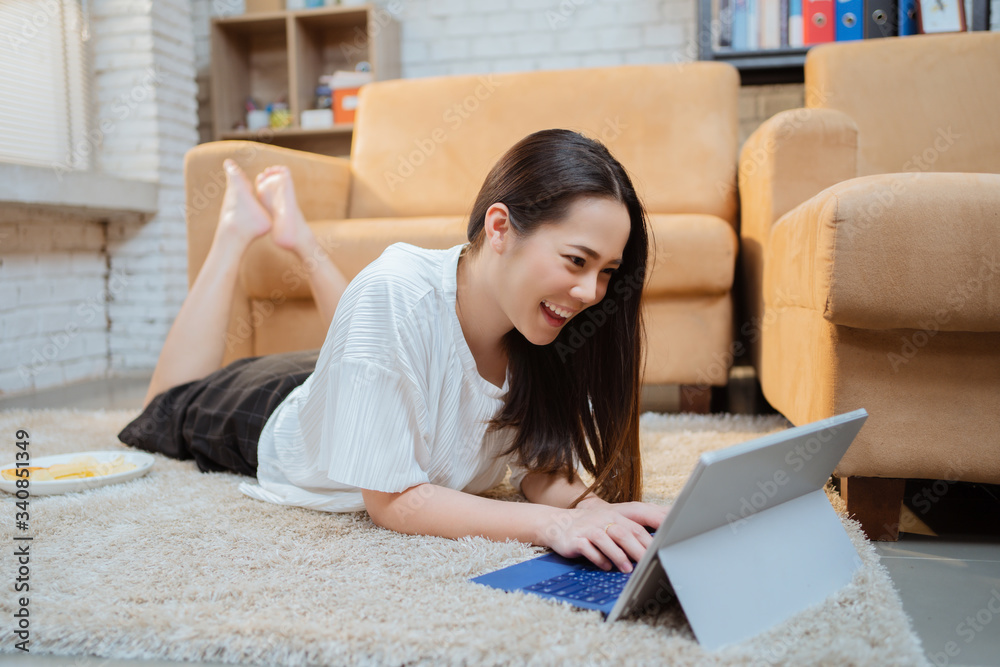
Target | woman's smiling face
(564,267)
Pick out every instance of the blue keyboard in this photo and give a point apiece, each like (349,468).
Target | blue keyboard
(595,586)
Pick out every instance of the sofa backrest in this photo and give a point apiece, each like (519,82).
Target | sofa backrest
(921,103)
(424,146)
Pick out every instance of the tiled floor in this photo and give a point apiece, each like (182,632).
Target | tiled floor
(946,564)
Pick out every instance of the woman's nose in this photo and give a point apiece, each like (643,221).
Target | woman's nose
(585,290)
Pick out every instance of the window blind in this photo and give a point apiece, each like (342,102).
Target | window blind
(44,84)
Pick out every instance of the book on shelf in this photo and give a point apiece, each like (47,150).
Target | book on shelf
(847,20)
(752,25)
(770,23)
(795,32)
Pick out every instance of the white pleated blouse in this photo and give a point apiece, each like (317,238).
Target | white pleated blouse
(396,399)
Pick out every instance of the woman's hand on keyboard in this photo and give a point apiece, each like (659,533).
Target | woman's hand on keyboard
(607,534)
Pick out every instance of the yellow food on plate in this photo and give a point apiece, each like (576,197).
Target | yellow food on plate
(35,473)
(78,468)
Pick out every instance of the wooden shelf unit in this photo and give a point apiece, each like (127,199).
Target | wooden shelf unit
(271,56)
(786,64)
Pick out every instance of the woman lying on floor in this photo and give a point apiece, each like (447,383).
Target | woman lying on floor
(441,368)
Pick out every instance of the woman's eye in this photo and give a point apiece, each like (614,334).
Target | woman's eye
(580,261)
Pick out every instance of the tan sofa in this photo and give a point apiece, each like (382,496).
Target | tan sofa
(871,245)
(420,152)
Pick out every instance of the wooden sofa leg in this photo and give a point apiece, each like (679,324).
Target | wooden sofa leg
(876,503)
(696,398)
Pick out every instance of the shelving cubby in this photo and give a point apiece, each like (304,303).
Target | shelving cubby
(280,55)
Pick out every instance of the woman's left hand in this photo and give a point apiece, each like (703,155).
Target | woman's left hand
(644,514)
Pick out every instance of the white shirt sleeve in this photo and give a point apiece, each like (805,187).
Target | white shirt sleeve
(364,409)
(368,428)
(517,475)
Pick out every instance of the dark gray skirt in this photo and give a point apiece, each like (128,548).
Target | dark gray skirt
(217,420)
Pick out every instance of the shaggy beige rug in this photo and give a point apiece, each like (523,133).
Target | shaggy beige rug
(180,565)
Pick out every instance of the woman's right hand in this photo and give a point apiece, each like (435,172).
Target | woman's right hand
(607,534)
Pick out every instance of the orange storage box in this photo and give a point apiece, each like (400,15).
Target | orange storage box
(345,101)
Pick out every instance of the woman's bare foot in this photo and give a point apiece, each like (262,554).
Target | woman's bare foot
(277,194)
(242,217)
(327,282)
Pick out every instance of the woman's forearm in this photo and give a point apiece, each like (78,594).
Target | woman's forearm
(585,531)
(428,509)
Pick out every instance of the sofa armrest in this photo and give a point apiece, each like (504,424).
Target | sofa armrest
(889,251)
(788,159)
(321,182)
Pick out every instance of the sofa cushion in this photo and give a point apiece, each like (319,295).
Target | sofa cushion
(690,254)
(423,146)
(688,340)
(268,271)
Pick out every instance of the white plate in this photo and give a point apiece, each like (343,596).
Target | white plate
(142,461)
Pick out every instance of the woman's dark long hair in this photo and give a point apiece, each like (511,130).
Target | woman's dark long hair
(583,388)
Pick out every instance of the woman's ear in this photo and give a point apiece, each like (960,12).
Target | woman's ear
(497,226)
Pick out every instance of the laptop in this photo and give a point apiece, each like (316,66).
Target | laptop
(751,540)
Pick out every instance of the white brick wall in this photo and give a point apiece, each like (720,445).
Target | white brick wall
(82,297)
(477,36)
(473,36)
(53,273)
(158,89)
